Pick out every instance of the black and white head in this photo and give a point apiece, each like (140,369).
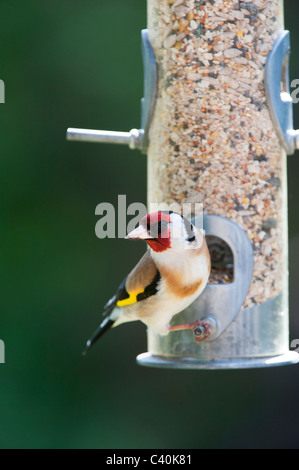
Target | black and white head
(167,231)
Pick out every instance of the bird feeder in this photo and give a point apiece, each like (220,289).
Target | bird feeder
(216,125)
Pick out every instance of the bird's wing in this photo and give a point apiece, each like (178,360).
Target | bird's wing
(141,283)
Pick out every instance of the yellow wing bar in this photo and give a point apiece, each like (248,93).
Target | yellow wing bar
(132,299)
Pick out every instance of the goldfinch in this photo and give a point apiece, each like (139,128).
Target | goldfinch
(167,279)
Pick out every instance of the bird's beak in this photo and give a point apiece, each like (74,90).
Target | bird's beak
(140,233)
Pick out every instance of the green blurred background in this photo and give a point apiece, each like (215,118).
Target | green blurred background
(78,64)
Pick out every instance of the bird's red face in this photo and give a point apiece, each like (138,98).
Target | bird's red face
(154,229)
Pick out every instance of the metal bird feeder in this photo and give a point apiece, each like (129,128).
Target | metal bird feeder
(216,125)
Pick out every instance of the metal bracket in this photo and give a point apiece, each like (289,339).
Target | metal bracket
(148,102)
(278,92)
(222,302)
(136,138)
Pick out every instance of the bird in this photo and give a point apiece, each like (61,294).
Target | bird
(172,273)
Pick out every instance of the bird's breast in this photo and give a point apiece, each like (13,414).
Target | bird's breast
(188,278)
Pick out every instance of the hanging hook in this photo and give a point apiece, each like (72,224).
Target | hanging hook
(136,138)
(278,92)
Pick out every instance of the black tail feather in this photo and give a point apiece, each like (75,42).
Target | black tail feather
(104,326)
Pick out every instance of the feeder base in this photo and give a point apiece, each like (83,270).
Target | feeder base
(150,360)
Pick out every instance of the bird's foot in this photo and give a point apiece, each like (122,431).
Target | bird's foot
(201,329)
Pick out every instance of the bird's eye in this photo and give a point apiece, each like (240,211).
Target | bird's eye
(157,228)
(163,224)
